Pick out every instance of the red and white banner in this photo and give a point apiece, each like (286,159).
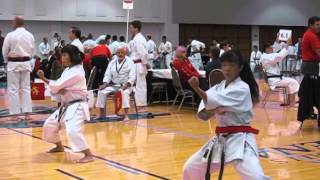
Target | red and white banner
(127,4)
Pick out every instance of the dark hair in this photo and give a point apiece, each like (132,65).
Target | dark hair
(122,38)
(313,20)
(266,45)
(223,43)
(90,36)
(215,52)
(136,24)
(108,36)
(76,31)
(114,38)
(246,74)
(149,36)
(74,53)
(255,46)
(164,37)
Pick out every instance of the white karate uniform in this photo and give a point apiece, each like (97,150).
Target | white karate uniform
(73,82)
(78,44)
(44,50)
(152,49)
(240,148)
(195,58)
(166,48)
(138,51)
(254,59)
(89,44)
(118,74)
(271,66)
(113,46)
(102,37)
(19,43)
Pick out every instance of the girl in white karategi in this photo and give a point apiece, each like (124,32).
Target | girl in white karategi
(231,102)
(71,89)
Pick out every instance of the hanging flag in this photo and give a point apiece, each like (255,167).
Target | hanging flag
(127,4)
(117,101)
(37,91)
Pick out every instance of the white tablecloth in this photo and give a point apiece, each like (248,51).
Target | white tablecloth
(166,73)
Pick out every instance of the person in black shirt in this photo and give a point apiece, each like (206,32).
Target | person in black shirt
(214,62)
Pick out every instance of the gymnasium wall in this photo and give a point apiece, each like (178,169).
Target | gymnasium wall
(245,12)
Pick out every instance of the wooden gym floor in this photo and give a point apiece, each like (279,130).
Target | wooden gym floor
(155,148)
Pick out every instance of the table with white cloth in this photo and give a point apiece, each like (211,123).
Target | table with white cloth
(163,75)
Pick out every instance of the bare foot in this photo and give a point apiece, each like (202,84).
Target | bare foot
(27,118)
(142,109)
(126,119)
(56,150)
(85,159)
(292,129)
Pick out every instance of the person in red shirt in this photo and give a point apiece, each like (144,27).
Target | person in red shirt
(310,86)
(185,69)
(100,56)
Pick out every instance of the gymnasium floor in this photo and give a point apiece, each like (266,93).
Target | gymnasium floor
(155,148)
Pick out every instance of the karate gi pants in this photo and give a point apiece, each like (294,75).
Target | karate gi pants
(168,59)
(249,167)
(292,84)
(102,96)
(19,89)
(73,122)
(196,61)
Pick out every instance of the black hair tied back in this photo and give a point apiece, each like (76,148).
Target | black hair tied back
(246,74)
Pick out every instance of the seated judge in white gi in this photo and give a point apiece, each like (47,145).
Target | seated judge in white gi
(196,47)
(18,48)
(270,61)
(120,76)
(231,102)
(71,90)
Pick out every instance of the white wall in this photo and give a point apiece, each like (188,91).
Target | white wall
(45,17)
(246,12)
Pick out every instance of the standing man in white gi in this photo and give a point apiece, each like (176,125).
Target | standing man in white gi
(18,48)
(196,48)
(44,49)
(139,55)
(152,49)
(165,50)
(74,36)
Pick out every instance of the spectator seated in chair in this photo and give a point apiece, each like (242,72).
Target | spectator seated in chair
(120,76)
(270,62)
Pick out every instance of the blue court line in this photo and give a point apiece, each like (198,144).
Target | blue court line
(69,174)
(101,158)
(122,168)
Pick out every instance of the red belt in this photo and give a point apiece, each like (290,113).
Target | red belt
(18,59)
(137,61)
(236,129)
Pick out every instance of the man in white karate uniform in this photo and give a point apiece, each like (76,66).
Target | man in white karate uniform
(255,57)
(152,49)
(113,46)
(196,48)
(18,48)
(165,51)
(270,61)
(89,43)
(120,76)
(44,49)
(139,55)
(74,36)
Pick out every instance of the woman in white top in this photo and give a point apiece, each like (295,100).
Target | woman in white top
(231,102)
(71,90)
